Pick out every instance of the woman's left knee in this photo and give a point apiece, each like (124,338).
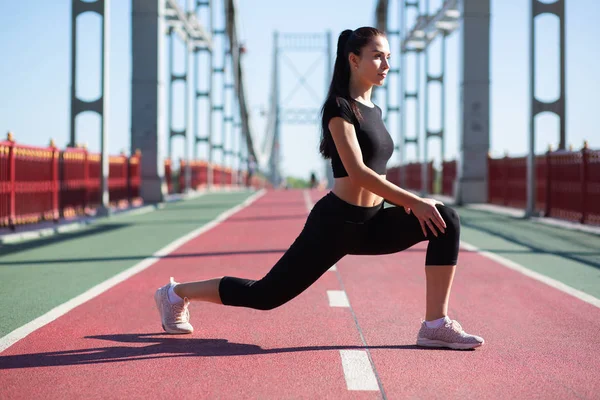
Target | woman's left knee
(451,218)
(443,250)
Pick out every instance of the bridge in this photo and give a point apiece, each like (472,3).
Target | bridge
(203,188)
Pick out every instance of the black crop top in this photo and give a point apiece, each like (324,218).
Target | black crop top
(375,142)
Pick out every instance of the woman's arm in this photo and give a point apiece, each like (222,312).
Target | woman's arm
(346,143)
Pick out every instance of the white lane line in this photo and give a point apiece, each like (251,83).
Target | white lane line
(20,333)
(338,298)
(535,275)
(358,371)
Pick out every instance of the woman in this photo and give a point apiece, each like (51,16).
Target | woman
(351,219)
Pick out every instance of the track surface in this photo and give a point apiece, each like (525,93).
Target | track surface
(540,342)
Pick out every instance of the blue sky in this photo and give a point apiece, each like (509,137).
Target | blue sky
(35,74)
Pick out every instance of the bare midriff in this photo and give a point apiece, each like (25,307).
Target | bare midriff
(351,193)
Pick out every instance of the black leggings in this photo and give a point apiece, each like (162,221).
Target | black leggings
(335,228)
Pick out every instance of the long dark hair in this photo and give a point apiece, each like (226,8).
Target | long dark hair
(349,41)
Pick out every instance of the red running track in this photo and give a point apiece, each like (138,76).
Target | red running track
(539,342)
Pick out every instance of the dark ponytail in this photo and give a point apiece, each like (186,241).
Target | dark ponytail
(348,41)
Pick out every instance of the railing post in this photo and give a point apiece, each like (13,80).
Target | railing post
(430,177)
(505,172)
(12,185)
(131,180)
(60,180)
(584,180)
(122,190)
(86,180)
(490,178)
(128,177)
(182,176)
(548,182)
(167,164)
(55,182)
(138,178)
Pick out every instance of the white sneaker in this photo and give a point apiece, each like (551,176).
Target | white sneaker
(450,334)
(175,318)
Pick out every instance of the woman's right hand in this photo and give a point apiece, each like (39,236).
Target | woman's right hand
(428,215)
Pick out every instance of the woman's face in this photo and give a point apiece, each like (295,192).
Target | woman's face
(373,64)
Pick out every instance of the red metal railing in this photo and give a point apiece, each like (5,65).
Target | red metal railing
(28,183)
(134,180)
(448,177)
(169,176)
(222,177)
(591,186)
(567,183)
(572,185)
(46,183)
(74,183)
(507,184)
(413,176)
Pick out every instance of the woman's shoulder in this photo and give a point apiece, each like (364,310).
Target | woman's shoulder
(338,104)
(336,101)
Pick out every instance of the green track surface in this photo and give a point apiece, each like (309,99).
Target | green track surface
(39,275)
(569,256)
